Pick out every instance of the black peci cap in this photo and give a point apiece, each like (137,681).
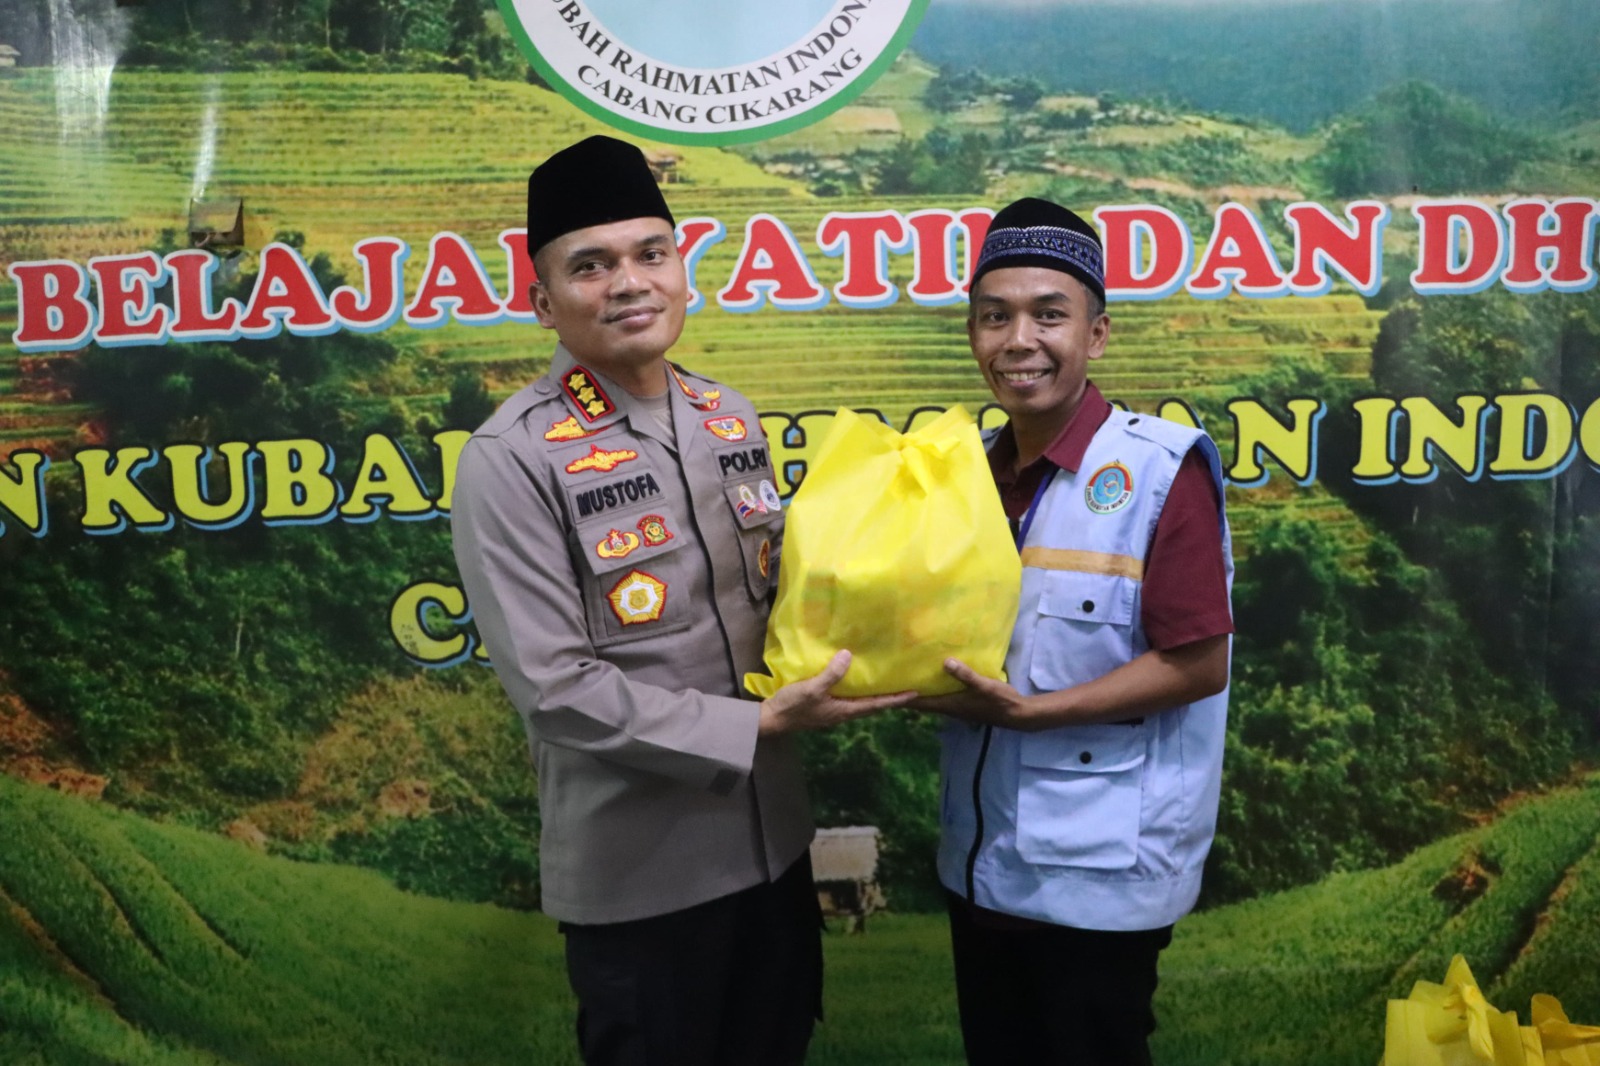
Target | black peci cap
(596,181)
(1034,232)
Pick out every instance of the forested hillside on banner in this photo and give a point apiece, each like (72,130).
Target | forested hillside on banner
(298,821)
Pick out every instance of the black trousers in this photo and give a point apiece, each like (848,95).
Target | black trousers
(736,981)
(1051,995)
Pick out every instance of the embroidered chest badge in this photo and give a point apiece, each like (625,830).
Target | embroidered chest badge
(568,429)
(1109,489)
(601,460)
(638,597)
(727,427)
(654,528)
(584,391)
(617,545)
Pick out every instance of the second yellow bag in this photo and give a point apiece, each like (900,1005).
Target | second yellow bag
(897,549)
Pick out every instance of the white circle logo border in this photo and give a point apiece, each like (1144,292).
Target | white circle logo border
(627,88)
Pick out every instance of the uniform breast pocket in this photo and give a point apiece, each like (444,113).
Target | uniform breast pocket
(1084,628)
(758,513)
(635,577)
(1080,791)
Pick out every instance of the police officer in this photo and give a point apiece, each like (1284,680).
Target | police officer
(1082,795)
(617,530)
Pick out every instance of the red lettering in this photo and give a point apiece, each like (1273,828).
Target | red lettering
(53,310)
(378,305)
(695,235)
(933,268)
(1569,243)
(192,318)
(864,239)
(453,277)
(1148,251)
(522,275)
(285,295)
(771,266)
(1320,241)
(1442,226)
(126,281)
(976,222)
(1238,255)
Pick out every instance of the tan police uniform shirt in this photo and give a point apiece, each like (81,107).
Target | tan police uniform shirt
(618,575)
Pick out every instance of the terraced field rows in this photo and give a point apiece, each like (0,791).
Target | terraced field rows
(343,157)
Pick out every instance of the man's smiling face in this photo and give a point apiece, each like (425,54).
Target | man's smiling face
(1033,331)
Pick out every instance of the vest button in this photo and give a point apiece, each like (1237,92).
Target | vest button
(1088,605)
(1085,758)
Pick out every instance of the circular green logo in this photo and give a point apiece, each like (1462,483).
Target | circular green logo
(711,71)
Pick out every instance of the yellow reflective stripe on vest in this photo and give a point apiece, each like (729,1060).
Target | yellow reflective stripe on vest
(1084,562)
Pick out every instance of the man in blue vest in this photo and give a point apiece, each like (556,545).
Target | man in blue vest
(1081,797)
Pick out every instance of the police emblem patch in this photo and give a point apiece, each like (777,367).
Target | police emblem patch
(1109,489)
(601,460)
(709,400)
(764,558)
(567,429)
(638,597)
(617,545)
(748,504)
(769,495)
(584,391)
(654,528)
(727,427)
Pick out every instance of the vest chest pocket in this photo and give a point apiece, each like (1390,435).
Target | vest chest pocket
(1080,793)
(1084,627)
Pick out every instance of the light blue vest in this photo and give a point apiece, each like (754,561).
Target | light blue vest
(1094,826)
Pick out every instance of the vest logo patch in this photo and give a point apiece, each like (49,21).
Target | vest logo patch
(727,427)
(1110,488)
(617,545)
(638,597)
(601,460)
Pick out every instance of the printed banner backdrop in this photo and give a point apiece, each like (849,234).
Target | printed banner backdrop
(264,271)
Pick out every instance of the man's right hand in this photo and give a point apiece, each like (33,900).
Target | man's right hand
(808,704)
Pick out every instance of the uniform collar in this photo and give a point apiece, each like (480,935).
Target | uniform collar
(1068,449)
(596,401)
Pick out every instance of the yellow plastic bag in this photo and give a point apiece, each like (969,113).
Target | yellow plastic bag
(897,549)
(1451,1025)
(1563,1042)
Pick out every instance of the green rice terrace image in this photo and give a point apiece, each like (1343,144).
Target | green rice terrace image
(282,841)
(126,941)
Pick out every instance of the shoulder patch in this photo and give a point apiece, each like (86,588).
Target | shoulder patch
(582,388)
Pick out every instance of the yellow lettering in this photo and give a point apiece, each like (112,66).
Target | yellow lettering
(297,476)
(449,442)
(189,463)
(1180,412)
(1589,434)
(23,495)
(386,474)
(1375,462)
(793,441)
(111,497)
(1521,413)
(410,623)
(1430,430)
(1293,446)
